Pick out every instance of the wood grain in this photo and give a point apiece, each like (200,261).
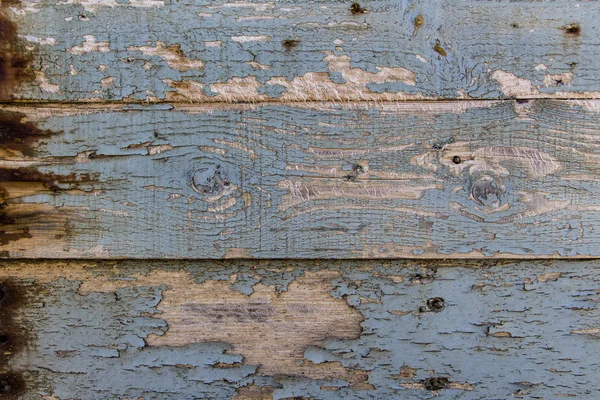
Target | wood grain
(249,51)
(310,330)
(426,180)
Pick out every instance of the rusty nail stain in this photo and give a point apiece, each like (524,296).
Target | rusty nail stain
(419,22)
(456,160)
(572,29)
(435,383)
(439,49)
(356,9)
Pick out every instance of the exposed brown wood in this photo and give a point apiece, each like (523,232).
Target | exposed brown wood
(327,330)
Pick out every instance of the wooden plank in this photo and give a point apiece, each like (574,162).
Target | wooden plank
(248,51)
(318,330)
(427,180)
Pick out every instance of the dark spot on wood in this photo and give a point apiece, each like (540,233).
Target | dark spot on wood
(522,101)
(290,43)
(83,17)
(14,60)
(240,313)
(12,386)
(19,135)
(436,304)
(15,220)
(356,9)
(9,3)
(572,29)
(514,25)
(52,182)
(6,237)
(436,383)
(15,335)
(439,49)
(456,160)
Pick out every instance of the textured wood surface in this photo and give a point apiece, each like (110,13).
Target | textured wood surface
(243,51)
(428,180)
(316,330)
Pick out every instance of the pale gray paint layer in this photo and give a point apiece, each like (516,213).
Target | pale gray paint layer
(524,329)
(472,179)
(249,51)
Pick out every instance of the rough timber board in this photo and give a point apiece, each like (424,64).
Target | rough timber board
(428,180)
(155,50)
(318,330)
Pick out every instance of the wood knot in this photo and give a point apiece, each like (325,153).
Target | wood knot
(436,383)
(487,192)
(209,181)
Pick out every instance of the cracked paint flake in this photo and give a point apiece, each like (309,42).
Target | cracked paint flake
(90,45)
(172,55)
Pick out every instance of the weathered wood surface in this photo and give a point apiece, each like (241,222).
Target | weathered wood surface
(450,179)
(248,51)
(317,330)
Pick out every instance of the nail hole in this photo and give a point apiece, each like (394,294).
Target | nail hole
(436,304)
(290,43)
(456,160)
(573,29)
(356,8)
(514,25)
(4,339)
